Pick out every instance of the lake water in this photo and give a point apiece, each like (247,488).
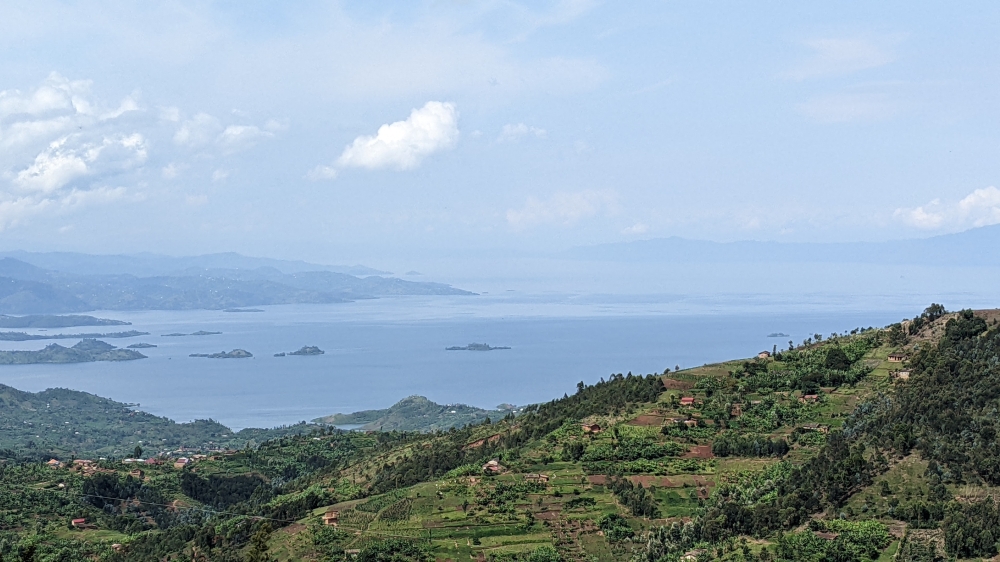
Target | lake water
(379,351)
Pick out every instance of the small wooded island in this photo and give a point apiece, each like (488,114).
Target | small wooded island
(140,345)
(198,333)
(234,354)
(86,351)
(475,347)
(304,350)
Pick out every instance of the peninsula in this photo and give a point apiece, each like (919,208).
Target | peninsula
(56,321)
(86,351)
(22,336)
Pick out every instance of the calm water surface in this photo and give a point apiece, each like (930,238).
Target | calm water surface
(379,351)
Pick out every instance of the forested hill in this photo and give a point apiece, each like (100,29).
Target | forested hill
(414,413)
(872,444)
(66,423)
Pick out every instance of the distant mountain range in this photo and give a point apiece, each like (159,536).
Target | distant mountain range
(976,247)
(83,285)
(149,265)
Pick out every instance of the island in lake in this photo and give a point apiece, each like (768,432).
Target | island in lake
(86,351)
(242,310)
(304,350)
(198,333)
(141,346)
(56,321)
(777,335)
(22,336)
(475,347)
(234,354)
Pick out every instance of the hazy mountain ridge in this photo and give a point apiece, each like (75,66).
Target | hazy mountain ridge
(25,288)
(149,264)
(959,249)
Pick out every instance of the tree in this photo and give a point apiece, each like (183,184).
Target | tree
(137,452)
(258,545)
(934,311)
(837,359)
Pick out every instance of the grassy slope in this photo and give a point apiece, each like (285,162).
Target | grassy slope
(453,517)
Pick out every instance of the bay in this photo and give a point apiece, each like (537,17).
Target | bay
(381,350)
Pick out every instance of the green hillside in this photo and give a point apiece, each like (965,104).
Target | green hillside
(414,413)
(67,424)
(878,444)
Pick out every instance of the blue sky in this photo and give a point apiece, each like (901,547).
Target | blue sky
(348,131)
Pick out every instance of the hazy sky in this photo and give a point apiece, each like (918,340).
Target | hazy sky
(336,132)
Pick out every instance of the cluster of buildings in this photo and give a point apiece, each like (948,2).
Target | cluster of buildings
(179,462)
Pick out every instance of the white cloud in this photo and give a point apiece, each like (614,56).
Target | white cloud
(61,148)
(979,208)
(198,131)
(563,208)
(844,55)
(64,161)
(241,137)
(404,144)
(55,94)
(511,132)
(207,134)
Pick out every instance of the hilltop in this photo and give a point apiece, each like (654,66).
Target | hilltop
(873,444)
(415,413)
(65,423)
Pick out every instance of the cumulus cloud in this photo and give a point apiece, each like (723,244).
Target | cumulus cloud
(511,132)
(844,55)
(404,144)
(563,208)
(61,148)
(198,131)
(979,208)
(55,94)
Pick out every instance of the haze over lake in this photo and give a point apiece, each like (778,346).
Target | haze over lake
(381,350)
